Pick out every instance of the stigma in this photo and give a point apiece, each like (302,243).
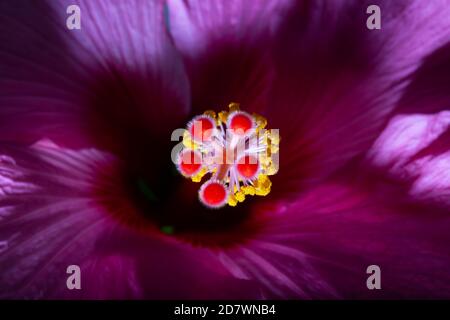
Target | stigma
(232,153)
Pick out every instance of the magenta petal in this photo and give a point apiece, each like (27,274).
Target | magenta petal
(66,84)
(415,150)
(48,219)
(41,80)
(339,82)
(227,47)
(129,266)
(321,245)
(51,217)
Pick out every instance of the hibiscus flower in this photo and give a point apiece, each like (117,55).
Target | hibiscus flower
(86,176)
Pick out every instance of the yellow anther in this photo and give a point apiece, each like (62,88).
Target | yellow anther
(232,200)
(273,149)
(271,169)
(223,116)
(240,196)
(264,181)
(188,142)
(210,113)
(265,137)
(274,138)
(264,160)
(198,177)
(267,164)
(234,107)
(262,185)
(261,122)
(249,190)
(262,191)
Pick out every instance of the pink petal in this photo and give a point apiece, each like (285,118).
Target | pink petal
(52,216)
(321,245)
(415,149)
(47,216)
(80,86)
(339,82)
(148,268)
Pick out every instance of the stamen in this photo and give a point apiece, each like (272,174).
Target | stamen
(202,128)
(248,167)
(237,152)
(241,123)
(189,162)
(213,194)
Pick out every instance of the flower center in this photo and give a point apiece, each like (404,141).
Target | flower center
(235,150)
